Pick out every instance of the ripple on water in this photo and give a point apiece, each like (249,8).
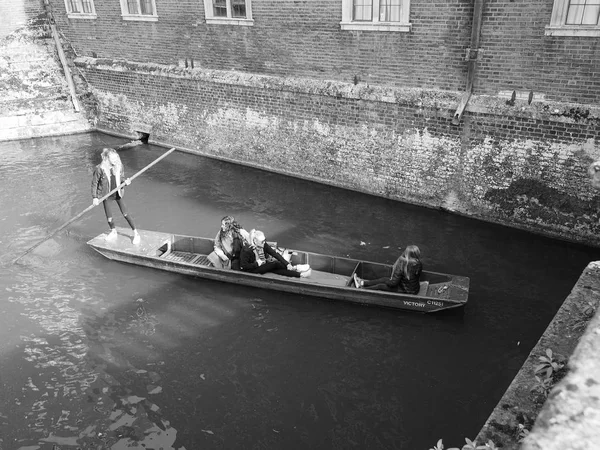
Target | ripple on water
(67,364)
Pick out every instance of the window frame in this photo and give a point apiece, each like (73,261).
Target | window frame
(125,15)
(211,19)
(558,26)
(81,15)
(403,25)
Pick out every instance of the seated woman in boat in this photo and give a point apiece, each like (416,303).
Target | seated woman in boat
(260,257)
(228,243)
(405,274)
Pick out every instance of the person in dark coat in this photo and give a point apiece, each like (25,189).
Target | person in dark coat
(406,273)
(108,175)
(260,257)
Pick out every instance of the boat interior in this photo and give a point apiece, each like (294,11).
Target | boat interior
(327,270)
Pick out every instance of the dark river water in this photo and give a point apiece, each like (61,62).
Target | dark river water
(96,354)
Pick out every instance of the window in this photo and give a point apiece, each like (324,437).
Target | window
(80,9)
(144,10)
(575,18)
(377,15)
(228,12)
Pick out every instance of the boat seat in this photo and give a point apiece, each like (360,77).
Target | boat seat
(187,257)
(424,286)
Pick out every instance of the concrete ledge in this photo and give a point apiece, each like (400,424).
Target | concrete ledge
(574,403)
(570,419)
(53,123)
(445,102)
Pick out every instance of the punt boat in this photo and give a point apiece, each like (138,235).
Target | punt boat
(331,278)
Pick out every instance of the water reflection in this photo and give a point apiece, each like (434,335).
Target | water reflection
(98,354)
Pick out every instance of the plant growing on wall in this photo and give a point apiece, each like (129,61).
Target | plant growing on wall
(523,432)
(548,365)
(470,445)
(542,386)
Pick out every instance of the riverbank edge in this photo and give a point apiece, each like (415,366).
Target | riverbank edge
(573,335)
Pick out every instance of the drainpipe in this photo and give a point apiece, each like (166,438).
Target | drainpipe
(61,55)
(472,56)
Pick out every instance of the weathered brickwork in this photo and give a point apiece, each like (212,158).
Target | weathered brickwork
(303,38)
(526,170)
(34,95)
(366,110)
(518,56)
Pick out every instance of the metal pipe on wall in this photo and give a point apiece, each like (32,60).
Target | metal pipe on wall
(472,57)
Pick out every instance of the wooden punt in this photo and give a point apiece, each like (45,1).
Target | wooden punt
(331,276)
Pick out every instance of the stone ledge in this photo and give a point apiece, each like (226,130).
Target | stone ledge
(33,120)
(519,406)
(51,124)
(570,419)
(443,101)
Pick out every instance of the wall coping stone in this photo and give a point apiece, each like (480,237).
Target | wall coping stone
(570,417)
(520,107)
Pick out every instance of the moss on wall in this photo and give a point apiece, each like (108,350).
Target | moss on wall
(515,167)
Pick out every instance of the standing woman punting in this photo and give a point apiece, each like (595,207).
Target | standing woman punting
(107,176)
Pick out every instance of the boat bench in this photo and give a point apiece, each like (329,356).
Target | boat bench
(187,257)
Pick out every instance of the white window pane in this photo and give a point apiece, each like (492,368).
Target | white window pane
(132,6)
(146,7)
(575,14)
(583,12)
(362,10)
(220,8)
(238,8)
(86,6)
(389,10)
(590,15)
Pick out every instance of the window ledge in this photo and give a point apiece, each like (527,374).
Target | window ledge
(141,18)
(227,21)
(572,31)
(87,16)
(377,26)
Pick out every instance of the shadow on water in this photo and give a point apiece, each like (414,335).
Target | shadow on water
(202,364)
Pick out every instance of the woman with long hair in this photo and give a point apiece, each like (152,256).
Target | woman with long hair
(228,244)
(107,176)
(406,272)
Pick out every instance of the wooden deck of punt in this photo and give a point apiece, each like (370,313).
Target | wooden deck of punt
(331,276)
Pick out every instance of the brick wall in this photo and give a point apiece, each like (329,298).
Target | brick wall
(524,168)
(366,110)
(303,38)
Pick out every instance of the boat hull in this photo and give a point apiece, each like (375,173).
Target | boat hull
(331,277)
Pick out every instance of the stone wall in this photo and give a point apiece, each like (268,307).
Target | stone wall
(16,14)
(35,98)
(522,165)
(564,414)
(365,110)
